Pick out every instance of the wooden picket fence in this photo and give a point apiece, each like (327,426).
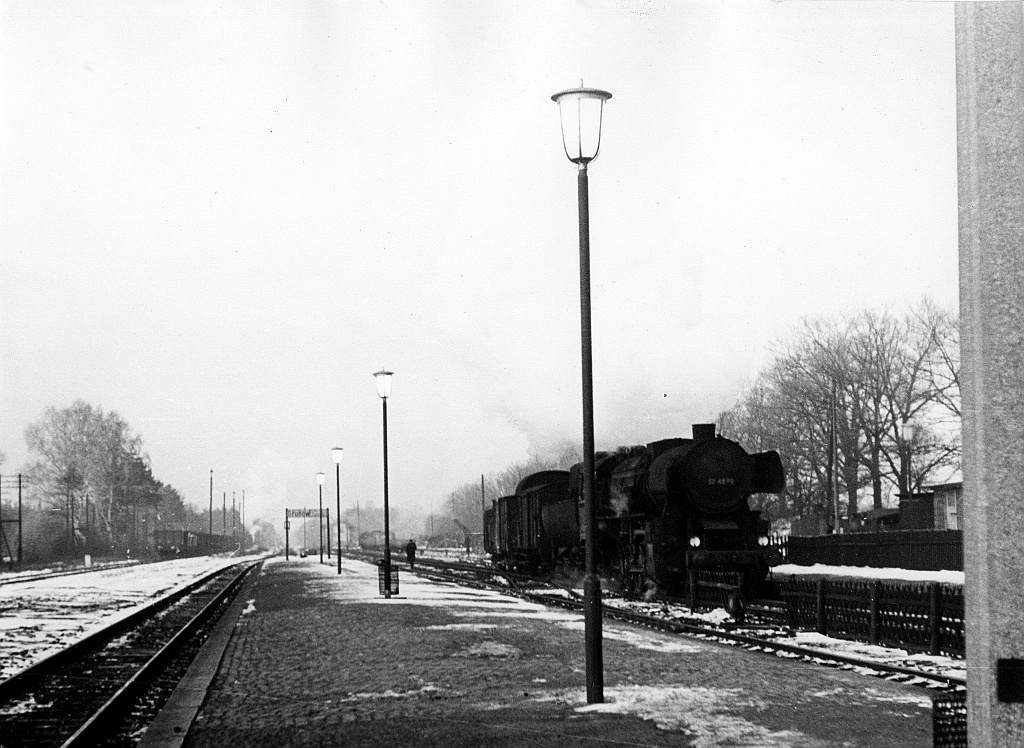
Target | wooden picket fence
(918,616)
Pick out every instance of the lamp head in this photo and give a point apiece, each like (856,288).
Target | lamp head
(337,453)
(320,478)
(383,378)
(580,110)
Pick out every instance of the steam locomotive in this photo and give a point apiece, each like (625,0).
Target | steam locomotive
(665,511)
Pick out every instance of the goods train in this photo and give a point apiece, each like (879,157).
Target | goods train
(665,511)
(185,543)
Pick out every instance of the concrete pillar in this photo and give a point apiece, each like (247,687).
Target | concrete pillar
(990,154)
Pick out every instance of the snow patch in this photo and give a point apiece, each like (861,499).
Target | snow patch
(24,707)
(490,649)
(460,627)
(651,641)
(867,572)
(922,702)
(43,616)
(426,690)
(702,713)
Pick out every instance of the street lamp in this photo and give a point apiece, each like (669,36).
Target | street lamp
(908,430)
(320,516)
(383,378)
(337,453)
(580,110)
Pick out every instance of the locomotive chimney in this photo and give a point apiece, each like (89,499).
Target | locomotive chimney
(702,431)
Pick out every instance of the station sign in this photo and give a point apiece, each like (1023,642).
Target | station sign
(306,513)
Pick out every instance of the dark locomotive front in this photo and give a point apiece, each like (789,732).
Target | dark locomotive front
(666,511)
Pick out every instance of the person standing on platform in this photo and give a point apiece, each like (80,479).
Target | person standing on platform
(410,552)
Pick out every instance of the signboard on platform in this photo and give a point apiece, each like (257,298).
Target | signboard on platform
(307,513)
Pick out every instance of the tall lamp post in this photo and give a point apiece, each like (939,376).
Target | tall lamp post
(907,431)
(320,515)
(383,378)
(337,453)
(580,110)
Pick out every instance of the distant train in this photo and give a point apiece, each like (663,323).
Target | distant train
(374,540)
(186,543)
(665,511)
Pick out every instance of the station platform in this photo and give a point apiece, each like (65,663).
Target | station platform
(314,658)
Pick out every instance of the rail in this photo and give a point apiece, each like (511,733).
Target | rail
(73,697)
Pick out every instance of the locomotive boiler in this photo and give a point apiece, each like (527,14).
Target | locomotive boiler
(665,511)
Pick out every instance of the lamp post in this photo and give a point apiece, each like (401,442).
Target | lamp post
(580,111)
(383,378)
(337,453)
(320,514)
(907,432)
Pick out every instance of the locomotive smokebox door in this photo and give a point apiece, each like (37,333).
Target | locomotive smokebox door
(716,475)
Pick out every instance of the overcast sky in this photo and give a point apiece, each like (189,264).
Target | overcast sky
(220,218)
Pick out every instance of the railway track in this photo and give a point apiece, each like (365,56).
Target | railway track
(104,690)
(49,574)
(756,637)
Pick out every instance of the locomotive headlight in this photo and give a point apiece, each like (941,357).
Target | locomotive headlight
(694,541)
(763,541)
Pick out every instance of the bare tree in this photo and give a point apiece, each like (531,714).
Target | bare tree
(465,504)
(942,365)
(84,450)
(835,395)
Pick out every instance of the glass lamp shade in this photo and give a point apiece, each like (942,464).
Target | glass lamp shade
(320,478)
(907,431)
(384,383)
(580,110)
(337,453)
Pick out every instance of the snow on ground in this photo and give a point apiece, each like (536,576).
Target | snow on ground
(884,655)
(867,652)
(363,586)
(706,714)
(358,583)
(41,616)
(909,575)
(8,577)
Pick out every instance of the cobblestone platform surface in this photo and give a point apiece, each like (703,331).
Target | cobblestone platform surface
(318,659)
